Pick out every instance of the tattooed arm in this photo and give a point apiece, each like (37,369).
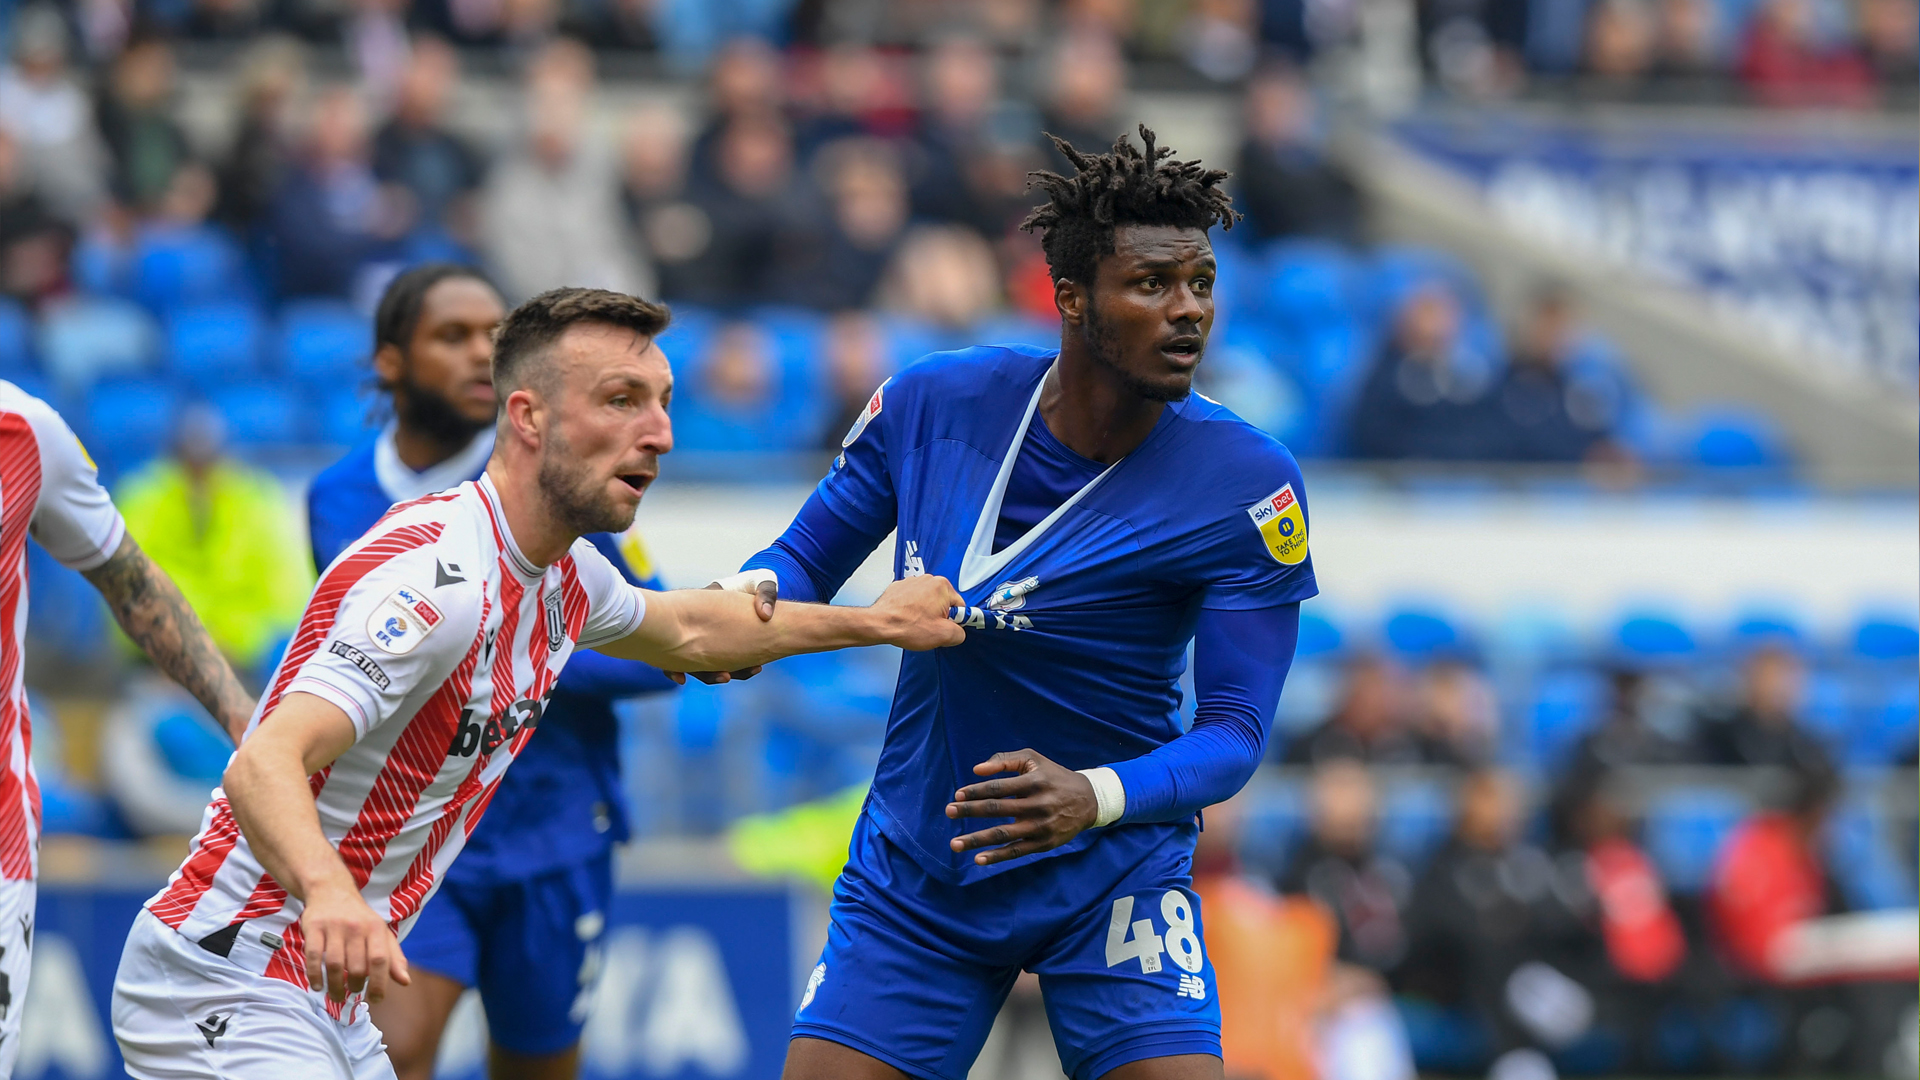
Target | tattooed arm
(149,607)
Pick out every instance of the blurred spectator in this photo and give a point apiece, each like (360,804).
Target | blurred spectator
(227,19)
(416,150)
(272,80)
(226,534)
(1086,78)
(1687,41)
(962,87)
(1620,46)
(1473,47)
(1771,875)
(1761,727)
(1494,926)
(1784,61)
(746,81)
(1369,726)
(375,33)
(855,355)
(550,213)
(136,119)
(1337,865)
(856,91)
(670,230)
(743,210)
(833,261)
(1218,39)
(1455,710)
(1623,739)
(945,275)
(1644,940)
(1890,34)
(1288,186)
(48,115)
(737,400)
(331,218)
(33,242)
(1423,398)
(1541,413)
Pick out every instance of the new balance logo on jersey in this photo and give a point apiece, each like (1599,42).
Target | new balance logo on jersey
(912,565)
(1192,986)
(214,1026)
(362,661)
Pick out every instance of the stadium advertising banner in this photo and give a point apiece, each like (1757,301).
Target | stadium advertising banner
(1804,233)
(695,984)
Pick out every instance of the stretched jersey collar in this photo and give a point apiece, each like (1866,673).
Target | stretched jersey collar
(401,483)
(490,498)
(981,563)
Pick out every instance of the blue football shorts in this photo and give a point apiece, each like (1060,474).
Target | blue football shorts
(915,969)
(531,947)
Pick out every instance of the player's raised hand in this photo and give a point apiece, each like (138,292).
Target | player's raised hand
(918,611)
(1050,804)
(350,948)
(765,588)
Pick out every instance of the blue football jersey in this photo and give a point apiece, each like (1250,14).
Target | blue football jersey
(561,803)
(1077,630)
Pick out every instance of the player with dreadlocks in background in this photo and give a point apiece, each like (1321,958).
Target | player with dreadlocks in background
(1097,516)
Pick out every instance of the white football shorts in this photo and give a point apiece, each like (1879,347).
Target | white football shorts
(16,963)
(182,1012)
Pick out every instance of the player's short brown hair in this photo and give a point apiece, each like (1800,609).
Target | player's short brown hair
(524,339)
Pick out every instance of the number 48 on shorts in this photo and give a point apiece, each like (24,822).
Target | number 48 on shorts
(1134,939)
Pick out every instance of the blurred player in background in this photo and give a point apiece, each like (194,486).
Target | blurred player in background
(425,660)
(49,489)
(521,915)
(1097,516)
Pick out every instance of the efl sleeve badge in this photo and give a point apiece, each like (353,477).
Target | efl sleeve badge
(1282,525)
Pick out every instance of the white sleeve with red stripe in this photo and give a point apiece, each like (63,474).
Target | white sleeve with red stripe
(614,605)
(391,636)
(74,520)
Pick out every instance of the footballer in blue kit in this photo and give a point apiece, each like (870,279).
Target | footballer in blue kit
(1036,798)
(521,912)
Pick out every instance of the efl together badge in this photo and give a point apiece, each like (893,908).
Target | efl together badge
(1281,525)
(401,620)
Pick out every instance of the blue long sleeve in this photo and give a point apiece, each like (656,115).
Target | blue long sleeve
(817,553)
(1240,662)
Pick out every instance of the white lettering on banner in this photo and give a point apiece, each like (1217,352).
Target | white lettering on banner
(665,1003)
(61,1029)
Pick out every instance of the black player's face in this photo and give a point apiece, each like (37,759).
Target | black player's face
(1151,307)
(446,374)
(608,427)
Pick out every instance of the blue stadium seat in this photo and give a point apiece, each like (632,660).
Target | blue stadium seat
(1414,820)
(174,267)
(94,337)
(322,341)
(347,413)
(16,338)
(65,614)
(1828,712)
(1863,860)
(261,413)
(213,343)
(1420,635)
(1653,637)
(1890,722)
(129,420)
(1308,283)
(1684,831)
(1877,638)
(1318,636)
(1729,438)
(1564,705)
(1759,628)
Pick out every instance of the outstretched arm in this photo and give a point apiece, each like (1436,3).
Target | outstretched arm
(1240,662)
(720,630)
(149,607)
(349,947)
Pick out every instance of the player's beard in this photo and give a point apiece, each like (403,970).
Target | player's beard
(429,413)
(1104,346)
(574,497)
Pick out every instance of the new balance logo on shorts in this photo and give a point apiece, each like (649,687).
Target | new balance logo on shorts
(365,663)
(1192,986)
(214,1026)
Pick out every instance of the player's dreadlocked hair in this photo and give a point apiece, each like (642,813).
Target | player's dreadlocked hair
(1125,187)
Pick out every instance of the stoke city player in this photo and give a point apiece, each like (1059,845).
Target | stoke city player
(50,490)
(423,664)
(520,916)
(1096,516)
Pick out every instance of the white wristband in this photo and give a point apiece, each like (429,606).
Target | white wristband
(1108,794)
(746,581)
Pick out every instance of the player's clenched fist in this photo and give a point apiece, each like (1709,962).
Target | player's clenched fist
(916,612)
(350,948)
(1050,804)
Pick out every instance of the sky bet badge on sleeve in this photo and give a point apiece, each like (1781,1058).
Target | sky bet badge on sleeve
(1281,525)
(401,620)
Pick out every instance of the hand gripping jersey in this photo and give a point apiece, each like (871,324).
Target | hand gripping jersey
(1078,629)
(48,489)
(441,643)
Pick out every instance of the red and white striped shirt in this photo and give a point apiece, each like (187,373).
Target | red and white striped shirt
(49,489)
(441,642)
